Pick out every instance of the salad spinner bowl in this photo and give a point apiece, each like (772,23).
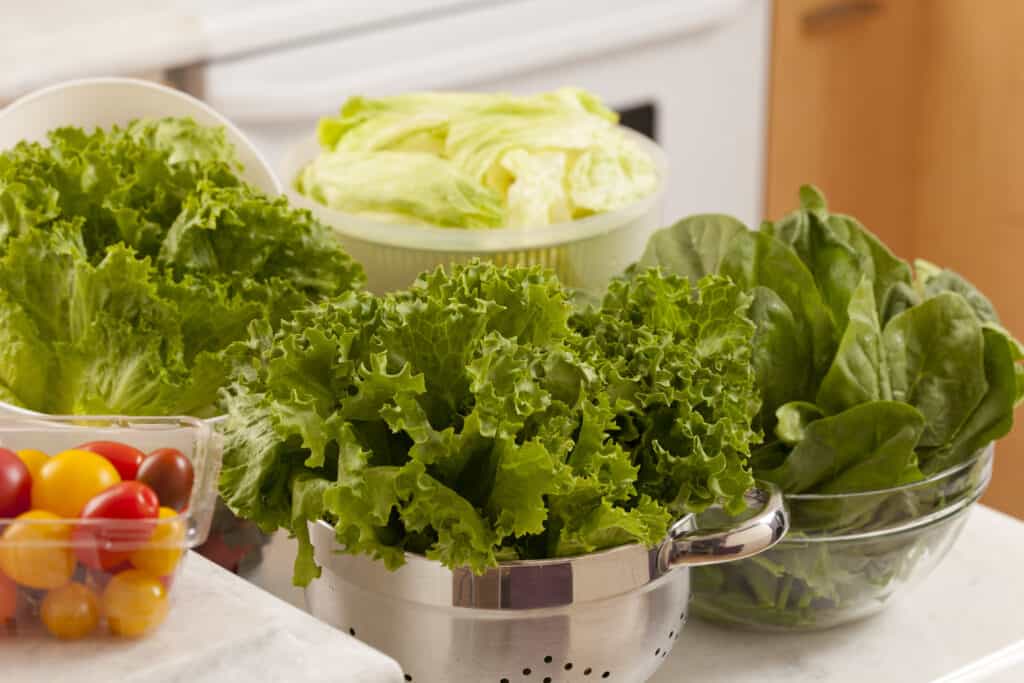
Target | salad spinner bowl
(846,556)
(585,253)
(613,615)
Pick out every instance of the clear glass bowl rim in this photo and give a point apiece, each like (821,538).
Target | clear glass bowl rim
(950,472)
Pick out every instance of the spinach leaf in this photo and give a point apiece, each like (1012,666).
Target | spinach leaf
(834,264)
(860,371)
(758,259)
(936,360)
(693,247)
(793,418)
(993,416)
(781,354)
(866,447)
(935,280)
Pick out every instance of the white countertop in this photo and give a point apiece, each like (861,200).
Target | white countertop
(221,629)
(971,608)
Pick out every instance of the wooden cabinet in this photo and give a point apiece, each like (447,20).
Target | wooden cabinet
(908,114)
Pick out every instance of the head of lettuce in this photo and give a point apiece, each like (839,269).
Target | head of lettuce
(131,257)
(462,160)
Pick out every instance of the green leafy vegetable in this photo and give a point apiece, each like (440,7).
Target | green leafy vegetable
(873,375)
(131,258)
(477,161)
(475,416)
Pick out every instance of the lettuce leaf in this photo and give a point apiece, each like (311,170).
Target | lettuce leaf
(131,258)
(477,160)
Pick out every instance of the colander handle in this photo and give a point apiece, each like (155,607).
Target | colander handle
(689,545)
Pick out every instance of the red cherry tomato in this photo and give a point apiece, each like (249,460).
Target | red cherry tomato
(116,522)
(8,599)
(168,472)
(124,458)
(15,485)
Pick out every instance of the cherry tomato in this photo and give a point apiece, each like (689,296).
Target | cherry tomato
(67,481)
(35,550)
(125,459)
(160,556)
(134,602)
(8,599)
(15,485)
(70,612)
(33,460)
(168,472)
(115,522)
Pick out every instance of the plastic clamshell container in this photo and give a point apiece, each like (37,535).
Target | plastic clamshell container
(48,583)
(585,253)
(104,102)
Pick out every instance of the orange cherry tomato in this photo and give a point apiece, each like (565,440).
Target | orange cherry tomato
(134,603)
(70,612)
(69,480)
(33,460)
(35,550)
(161,555)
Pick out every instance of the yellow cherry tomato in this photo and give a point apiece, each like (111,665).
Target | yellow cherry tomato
(70,612)
(35,550)
(67,481)
(33,460)
(161,554)
(134,602)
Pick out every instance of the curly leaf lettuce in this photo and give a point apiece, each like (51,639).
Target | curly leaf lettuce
(475,417)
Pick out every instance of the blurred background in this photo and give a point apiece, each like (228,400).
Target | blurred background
(905,112)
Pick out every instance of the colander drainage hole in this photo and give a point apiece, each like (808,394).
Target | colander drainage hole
(606,674)
(547,679)
(352,632)
(527,672)
(408,677)
(568,666)
(588,671)
(657,652)
(547,660)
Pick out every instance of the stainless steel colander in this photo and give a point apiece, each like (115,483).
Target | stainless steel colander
(608,616)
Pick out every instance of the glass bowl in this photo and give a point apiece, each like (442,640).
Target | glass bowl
(846,556)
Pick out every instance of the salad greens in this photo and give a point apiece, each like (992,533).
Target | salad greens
(872,375)
(475,417)
(130,258)
(477,161)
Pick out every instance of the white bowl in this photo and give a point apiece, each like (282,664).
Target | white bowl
(584,253)
(103,102)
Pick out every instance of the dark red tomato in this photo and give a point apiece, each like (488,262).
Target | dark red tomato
(124,458)
(15,485)
(168,472)
(115,522)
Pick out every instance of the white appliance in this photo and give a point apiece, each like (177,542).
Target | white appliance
(690,73)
